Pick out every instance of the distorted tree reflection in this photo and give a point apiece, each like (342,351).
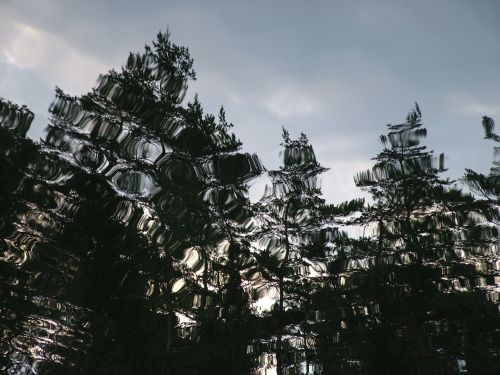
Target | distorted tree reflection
(43,242)
(297,238)
(128,245)
(483,251)
(221,219)
(141,177)
(414,259)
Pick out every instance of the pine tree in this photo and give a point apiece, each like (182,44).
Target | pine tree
(296,233)
(407,190)
(483,241)
(122,136)
(47,240)
(218,230)
(151,182)
(179,173)
(418,219)
(487,188)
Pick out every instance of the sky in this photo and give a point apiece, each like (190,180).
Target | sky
(336,70)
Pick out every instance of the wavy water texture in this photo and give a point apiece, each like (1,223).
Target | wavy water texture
(128,245)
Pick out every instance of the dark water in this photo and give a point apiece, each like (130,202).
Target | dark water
(128,245)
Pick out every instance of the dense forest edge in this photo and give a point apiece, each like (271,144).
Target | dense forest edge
(129,244)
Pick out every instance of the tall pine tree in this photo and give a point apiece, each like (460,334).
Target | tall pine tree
(417,218)
(296,233)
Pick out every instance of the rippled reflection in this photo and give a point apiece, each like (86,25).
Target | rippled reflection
(128,245)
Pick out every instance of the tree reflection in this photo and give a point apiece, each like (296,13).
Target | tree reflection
(129,245)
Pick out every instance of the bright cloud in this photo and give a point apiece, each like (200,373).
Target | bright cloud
(292,101)
(50,56)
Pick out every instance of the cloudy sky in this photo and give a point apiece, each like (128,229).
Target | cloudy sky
(336,70)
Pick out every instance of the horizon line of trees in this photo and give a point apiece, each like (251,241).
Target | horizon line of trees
(128,244)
